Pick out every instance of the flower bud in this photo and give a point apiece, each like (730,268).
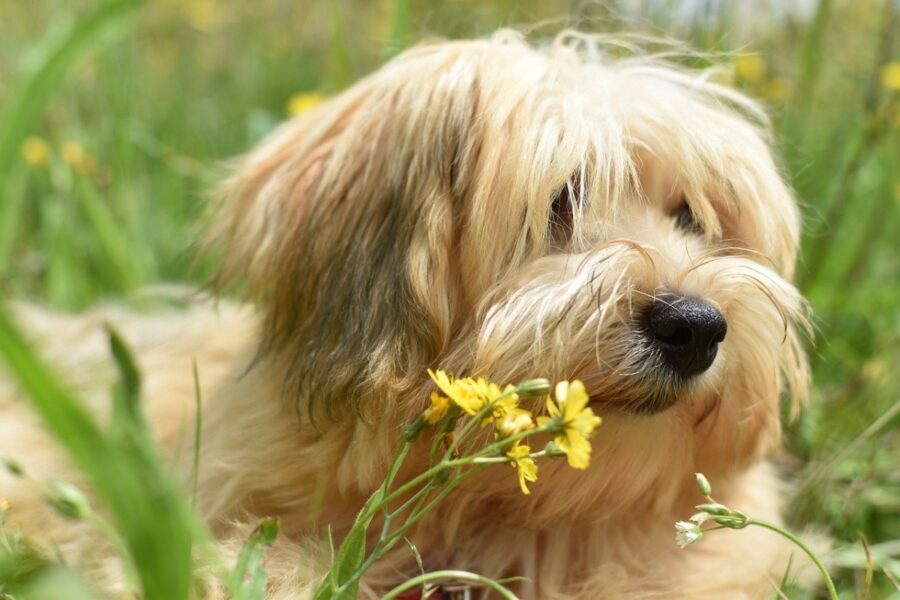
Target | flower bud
(736,520)
(68,501)
(534,387)
(552,449)
(703,484)
(13,466)
(714,508)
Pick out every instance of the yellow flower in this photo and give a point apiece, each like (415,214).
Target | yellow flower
(750,67)
(35,151)
(304,102)
(472,395)
(514,421)
(80,161)
(438,408)
(572,421)
(204,15)
(524,465)
(503,402)
(72,153)
(890,76)
(778,89)
(87,166)
(461,391)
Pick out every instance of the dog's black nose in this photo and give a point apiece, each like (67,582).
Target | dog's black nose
(687,332)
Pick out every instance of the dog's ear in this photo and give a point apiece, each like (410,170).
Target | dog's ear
(342,225)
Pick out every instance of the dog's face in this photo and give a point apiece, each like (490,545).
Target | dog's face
(488,208)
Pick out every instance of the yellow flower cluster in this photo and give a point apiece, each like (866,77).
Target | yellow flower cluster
(569,418)
(36,152)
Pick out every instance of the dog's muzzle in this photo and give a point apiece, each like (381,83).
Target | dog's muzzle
(687,331)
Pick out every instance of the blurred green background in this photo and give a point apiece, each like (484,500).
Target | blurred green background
(111,136)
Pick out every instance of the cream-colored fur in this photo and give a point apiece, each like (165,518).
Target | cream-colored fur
(485,207)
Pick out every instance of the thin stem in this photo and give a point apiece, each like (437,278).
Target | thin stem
(418,512)
(370,511)
(449,574)
(121,547)
(491,460)
(417,497)
(832,592)
(445,464)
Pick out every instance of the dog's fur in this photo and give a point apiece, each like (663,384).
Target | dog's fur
(489,208)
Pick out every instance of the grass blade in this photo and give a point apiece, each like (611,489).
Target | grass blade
(145,502)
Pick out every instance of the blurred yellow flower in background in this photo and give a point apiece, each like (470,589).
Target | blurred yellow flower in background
(74,155)
(204,15)
(890,76)
(750,67)
(35,151)
(778,89)
(304,102)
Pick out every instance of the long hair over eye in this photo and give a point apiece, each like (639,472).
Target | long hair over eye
(566,203)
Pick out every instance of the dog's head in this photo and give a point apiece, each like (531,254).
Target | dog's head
(490,208)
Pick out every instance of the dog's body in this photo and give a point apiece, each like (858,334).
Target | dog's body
(488,208)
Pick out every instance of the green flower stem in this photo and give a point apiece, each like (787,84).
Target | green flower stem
(449,463)
(499,444)
(414,499)
(386,542)
(449,574)
(131,577)
(370,510)
(832,592)
(421,511)
(395,466)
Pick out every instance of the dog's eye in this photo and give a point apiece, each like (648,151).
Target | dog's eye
(562,212)
(685,219)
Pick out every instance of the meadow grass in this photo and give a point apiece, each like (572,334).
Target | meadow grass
(115,117)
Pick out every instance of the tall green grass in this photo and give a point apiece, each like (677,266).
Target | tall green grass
(156,94)
(120,463)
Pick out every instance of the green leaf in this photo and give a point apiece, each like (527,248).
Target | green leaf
(127,391)
(247,580)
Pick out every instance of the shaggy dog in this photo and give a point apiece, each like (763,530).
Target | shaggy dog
(485,207)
